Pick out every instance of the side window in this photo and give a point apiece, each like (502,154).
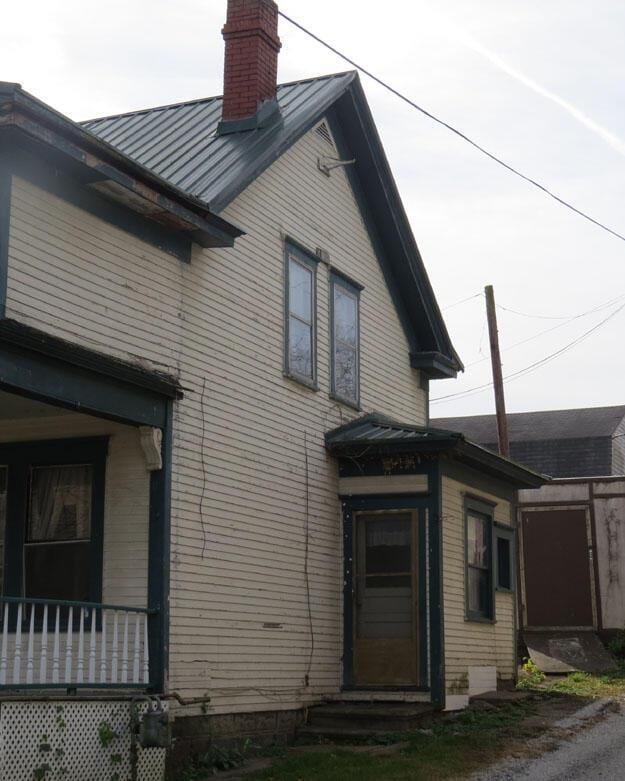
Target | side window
(504,559)
(300,316)
(479,562)
(345,336)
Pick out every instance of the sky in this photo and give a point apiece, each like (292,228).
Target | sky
(539,84)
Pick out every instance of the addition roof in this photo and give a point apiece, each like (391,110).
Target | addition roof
(181,144)
(378,434)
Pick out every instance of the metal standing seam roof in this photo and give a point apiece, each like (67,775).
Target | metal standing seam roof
(377,430)
(180,143)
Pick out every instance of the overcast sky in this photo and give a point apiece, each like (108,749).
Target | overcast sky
(540,84)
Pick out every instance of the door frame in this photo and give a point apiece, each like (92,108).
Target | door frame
(542,507)
(419,504)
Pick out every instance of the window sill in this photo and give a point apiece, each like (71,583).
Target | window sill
(475,619)
(310,384)
(502,590)
(347,402)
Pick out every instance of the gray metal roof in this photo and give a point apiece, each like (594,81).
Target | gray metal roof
(377,433)
(540,426)
(378,427)
(180,143)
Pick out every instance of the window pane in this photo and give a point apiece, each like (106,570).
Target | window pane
(346,372)
(57,571)
(300,348)
(345,316)
(60,504)
(478,597)
(504,563)
(300,290)
(388,546)
(477,541)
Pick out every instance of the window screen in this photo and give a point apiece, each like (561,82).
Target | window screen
(345,341)
(300,310)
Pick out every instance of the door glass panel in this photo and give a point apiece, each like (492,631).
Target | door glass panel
(4,478)
(385,582)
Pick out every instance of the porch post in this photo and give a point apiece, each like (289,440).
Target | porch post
(435,546)
(158,561)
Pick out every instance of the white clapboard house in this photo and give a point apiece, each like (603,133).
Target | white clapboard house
(217,480)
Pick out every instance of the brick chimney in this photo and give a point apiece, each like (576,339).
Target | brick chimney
(251,65)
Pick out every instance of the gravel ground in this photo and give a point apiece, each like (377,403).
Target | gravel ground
(597,752)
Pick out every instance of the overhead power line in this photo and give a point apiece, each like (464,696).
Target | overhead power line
(531,338)
(463,301)
(533,366)
(453,129)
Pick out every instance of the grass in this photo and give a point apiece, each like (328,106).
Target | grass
(454,747)
(590,685)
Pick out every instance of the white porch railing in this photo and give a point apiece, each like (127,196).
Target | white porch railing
(60,644)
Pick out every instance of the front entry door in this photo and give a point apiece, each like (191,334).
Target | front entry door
(385,629)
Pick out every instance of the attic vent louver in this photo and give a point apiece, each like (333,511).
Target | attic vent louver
(323,132)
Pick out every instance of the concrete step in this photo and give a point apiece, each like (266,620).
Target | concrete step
(339,734)
(378,716)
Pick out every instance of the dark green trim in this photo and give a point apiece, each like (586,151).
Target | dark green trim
(73,603)
(159,561)
(311,261)
(436,574)
(52,370)
(34,119)
(20,457)
(29,165)
(5,222)
(350,505)
(348,594)
(434,365)
(424,664)
(350,281)
(485,511)
(341,281)
(72,686)
(505,533)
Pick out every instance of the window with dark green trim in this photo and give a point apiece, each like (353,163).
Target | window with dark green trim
(479,561)
(345,340)
(52,511)
(504,558)
(300,350)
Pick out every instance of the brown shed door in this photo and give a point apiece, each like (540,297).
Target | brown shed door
(385,642)
(557,568)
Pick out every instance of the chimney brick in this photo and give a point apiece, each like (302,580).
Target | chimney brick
(251,59)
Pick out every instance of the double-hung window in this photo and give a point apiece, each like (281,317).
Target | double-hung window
(300,326)
(345,335)
(479,562)
(490,554)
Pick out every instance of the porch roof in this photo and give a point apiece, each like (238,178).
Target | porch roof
(377,434)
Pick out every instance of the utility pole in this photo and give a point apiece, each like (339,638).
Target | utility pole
(495,358)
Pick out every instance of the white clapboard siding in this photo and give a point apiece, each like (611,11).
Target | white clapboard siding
(467,643)
(239,609)
(251,573)
(126,499)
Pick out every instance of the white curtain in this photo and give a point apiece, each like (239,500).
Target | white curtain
(60,503)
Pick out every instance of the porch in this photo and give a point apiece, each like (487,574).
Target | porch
(84,509)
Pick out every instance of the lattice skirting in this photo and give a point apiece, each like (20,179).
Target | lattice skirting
(69,740)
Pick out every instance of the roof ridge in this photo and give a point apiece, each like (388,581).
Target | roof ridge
(195,101)
(531,412)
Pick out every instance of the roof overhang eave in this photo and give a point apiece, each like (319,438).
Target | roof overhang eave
(33,118)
